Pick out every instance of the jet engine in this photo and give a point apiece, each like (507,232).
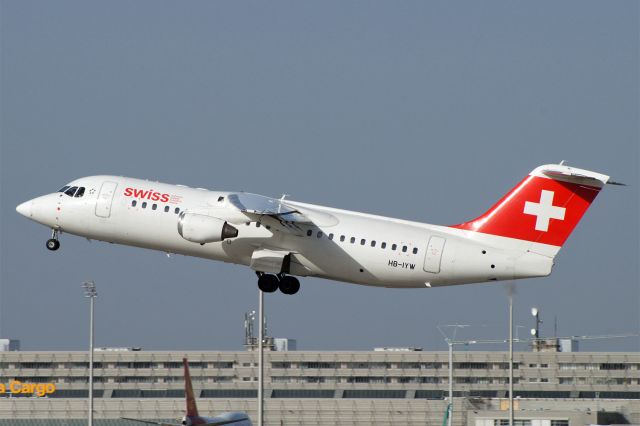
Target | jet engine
(200,228)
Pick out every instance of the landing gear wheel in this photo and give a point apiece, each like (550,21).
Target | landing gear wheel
(289,285)
(53,244)
(268,283)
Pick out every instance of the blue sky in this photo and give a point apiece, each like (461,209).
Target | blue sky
(427,111)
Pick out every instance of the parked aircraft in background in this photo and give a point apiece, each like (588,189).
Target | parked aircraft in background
(280,239)
(192,418)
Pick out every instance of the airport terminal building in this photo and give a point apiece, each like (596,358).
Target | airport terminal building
(381,387)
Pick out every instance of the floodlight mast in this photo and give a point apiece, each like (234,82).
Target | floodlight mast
(261,359)
(451,341)
(91,293)
(535,332)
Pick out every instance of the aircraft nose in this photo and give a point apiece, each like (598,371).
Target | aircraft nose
(25,208)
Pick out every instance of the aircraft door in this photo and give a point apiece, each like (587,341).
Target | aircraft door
(434,254)
(105,199)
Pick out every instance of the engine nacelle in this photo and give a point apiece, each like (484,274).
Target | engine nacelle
(200,228)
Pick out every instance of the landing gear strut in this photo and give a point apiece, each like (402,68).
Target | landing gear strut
(270,283)
(52,243)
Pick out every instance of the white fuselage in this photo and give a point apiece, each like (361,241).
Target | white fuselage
(342,245)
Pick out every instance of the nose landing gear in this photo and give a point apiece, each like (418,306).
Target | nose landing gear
(52,243)
(270,283)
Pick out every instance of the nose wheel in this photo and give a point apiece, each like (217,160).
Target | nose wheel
(270,283)
(52,243)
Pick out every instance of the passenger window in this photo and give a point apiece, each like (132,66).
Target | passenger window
(166,209)
(331,236)
(153,207)
(404,249)
(177,210)
(257,224)
(319,234)
(383,245)
(309,232)
(393,246)
(220,199)
(71,191)
(133,203)
(341,238)
(415,250)
(363,242)
(144,205)
(80,192)
(373,243)
(353,240)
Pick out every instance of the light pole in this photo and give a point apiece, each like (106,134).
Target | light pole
(451,341)
(91,293)
(260,359)
(511,356)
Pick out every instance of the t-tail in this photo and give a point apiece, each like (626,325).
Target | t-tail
(522,233)
(543,209)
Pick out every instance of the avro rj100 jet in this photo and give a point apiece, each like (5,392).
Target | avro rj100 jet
(281,239)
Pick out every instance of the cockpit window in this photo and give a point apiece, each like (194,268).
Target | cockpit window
(72,191)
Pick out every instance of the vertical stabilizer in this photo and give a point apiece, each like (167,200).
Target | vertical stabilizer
(543,208)
(192,409)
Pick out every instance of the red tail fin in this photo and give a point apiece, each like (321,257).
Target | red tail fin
(192,409)
(544,208)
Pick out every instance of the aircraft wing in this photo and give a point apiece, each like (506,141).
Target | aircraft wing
(265,206)
(288,215)
(226,422)
(149,422)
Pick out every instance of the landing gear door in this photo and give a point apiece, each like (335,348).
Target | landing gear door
(105,199)
(434,254)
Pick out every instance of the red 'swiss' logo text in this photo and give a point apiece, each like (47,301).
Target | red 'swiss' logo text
(149,194)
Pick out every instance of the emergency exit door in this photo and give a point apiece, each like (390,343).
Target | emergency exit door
(105,199)
(434,254)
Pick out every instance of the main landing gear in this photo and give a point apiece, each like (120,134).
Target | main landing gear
(52,243)
(270,283)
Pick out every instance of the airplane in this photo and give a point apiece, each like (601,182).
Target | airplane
(191,418)
(281,239)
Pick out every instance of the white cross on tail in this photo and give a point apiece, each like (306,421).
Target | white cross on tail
(544,210)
